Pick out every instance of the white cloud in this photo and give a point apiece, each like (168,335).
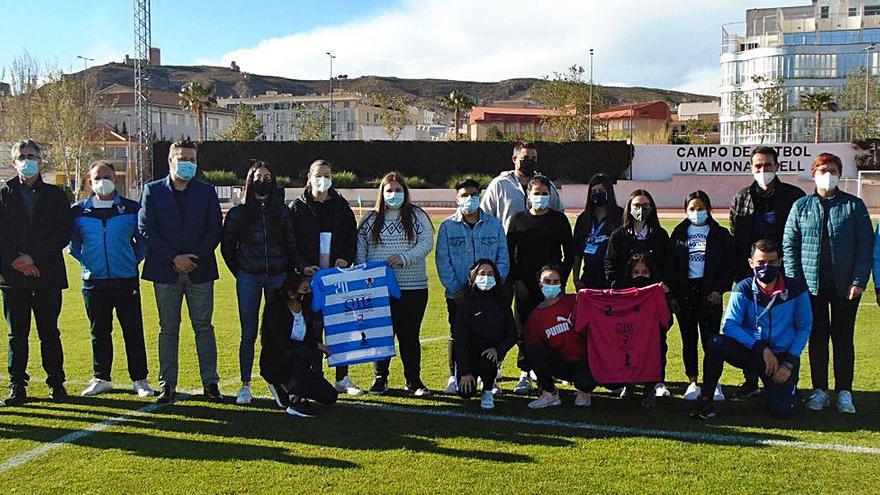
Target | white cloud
(671,44)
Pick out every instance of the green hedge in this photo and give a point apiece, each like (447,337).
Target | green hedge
(221,178)
(483,179)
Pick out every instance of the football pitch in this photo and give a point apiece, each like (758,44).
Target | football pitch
(119,443)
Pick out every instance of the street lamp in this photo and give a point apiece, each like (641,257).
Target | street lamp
(590,131)
(868,50)
(331,93)
(85,60)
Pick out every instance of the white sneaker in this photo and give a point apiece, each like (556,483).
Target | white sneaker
(660,390)
(499,375)
(244,396)
(692,392)
(844,402)
(142,388)
(451,385)
(583,399)
(719,395)
(818,400)
(347,386)
(487,401)
(97,386)
(496,387)
(524,385)
(546,400)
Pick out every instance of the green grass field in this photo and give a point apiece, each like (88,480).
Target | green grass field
(396,443)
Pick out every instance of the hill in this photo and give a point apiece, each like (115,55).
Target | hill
(421,92)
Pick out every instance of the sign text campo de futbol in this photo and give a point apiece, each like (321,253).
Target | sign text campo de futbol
(737,159)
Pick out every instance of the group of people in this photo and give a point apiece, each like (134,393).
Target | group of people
(504,259)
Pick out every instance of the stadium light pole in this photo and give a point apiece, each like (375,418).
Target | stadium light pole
(331,93)
(86,61)
(590,130)
(868,50)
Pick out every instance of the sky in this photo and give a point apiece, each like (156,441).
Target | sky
(670,44)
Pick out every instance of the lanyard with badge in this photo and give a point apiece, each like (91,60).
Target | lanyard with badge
(595,240)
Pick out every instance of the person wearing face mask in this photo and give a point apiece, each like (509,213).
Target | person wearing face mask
(181,222)
(401,234)
(536,237)
(326,236)
(828,243)
(757,212)
(507,194)
(592,231)
(699,273)
(483,332)
(37,220)
(465,237)
(258,244)
(766,327)
(107,243)
(553,348)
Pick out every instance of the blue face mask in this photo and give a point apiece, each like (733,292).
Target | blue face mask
(393,200)
(469,204)
(766,273)
(186,170)
(698,217)
(551,291)
(484,282)
(27,168)
(539,202)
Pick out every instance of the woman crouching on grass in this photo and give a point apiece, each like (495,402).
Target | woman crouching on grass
(290,358)
(483,331)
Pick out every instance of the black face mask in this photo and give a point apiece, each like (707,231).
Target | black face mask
(641,282)
(527,166)
(599,198)
(262,187)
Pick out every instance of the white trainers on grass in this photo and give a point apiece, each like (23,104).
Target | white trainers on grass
(142,388)
(719,395)
(347,386)
(583,399)
(97,386)
(844,402)
(692,392)
(818,400)
(660,390)
(524,385)
(451,385)
(546,400)
(487,400)
(244,396)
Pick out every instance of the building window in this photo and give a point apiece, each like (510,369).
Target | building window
(853,12)
(214,123)
(180,119)
(349,127)
(510,127)
(823,12)
(872,9)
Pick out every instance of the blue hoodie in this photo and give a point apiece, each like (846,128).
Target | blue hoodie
(459,247)
(108,248)
(782,323)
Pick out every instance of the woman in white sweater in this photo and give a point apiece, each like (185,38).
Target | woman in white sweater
(400,234)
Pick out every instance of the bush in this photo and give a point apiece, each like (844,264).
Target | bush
(284,181)
(416,182)
(483,179)
(222,178)
(343,179)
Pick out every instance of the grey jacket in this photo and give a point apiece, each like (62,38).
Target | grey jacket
(504,198)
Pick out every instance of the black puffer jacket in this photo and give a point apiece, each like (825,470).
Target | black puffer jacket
(481,321)
(44,237)
(623,245)
(262,243)
(277,349)
(718,270)
(343,243)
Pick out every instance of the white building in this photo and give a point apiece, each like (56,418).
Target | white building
(812,48)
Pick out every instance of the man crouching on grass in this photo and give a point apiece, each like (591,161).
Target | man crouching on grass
(765,329)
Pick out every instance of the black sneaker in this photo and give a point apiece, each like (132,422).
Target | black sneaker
(279,393)
(58,393)
(17,396)
(168,394)
(649,397)
(212,393)
(747,389)
(418,389)
(704,409)
(380,385)
(300,407)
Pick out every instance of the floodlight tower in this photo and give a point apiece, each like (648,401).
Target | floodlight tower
(143,122)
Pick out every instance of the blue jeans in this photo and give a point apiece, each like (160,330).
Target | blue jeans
(250,289)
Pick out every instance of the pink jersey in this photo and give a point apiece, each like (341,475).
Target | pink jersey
(623,330)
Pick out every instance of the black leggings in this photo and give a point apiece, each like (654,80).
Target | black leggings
(306,381)
(484,369)
(840,327)
(548,365)
(406,316)
(697,319)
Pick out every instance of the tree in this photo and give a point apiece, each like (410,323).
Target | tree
(769,105)
(569,97)
(392,113)
(246,127)
(493,133)
(697,130)
(196,97)
(864,124)
(457,101)
(310,124)
(818,102)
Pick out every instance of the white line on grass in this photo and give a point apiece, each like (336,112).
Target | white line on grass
(688,436)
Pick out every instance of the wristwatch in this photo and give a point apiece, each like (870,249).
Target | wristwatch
(787,365)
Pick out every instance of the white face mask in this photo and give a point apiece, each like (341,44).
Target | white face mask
(322,184)
(764,178)
(826,180)
(104,187)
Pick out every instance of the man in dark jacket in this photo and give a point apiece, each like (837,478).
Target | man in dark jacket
(759,212)
(35,222)
(180,221)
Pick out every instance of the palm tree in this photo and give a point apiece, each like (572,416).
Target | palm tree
(457,101)
(197,97)
(822,101)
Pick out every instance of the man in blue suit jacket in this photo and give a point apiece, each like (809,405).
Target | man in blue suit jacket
(180,222)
